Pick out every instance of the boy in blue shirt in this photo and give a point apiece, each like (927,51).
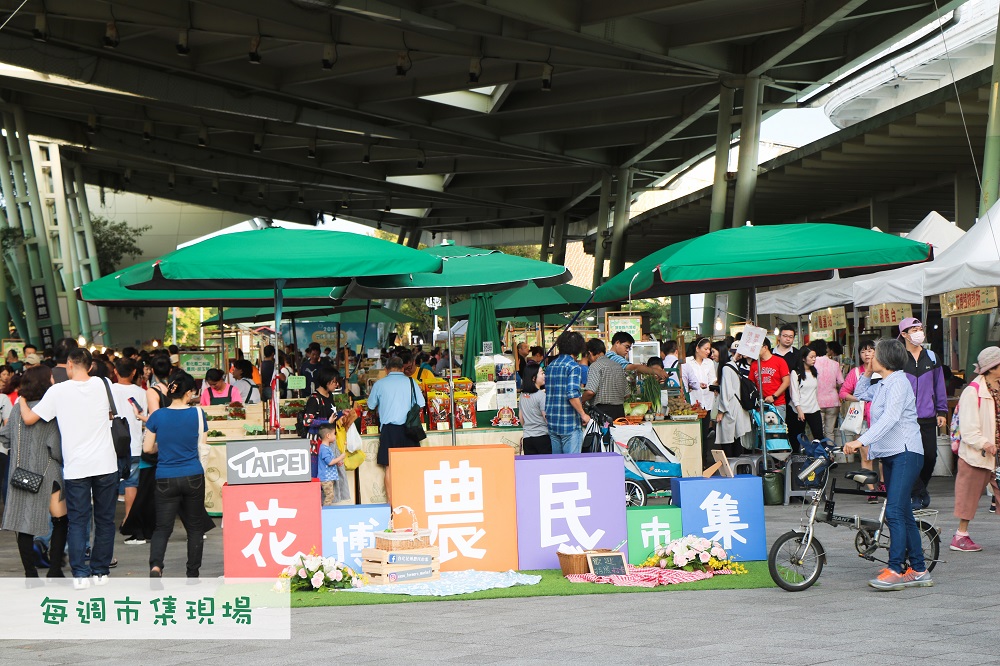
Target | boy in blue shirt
(329,461)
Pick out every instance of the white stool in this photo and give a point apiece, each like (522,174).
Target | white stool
(747,464)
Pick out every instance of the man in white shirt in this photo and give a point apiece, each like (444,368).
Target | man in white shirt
(122,391)
(90,467)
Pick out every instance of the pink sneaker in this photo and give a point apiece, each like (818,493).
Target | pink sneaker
(965,544)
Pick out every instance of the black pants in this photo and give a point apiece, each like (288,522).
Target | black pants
(57,550)
(182,496)
(928,437)
(795,427)
(537,446)
(813,420)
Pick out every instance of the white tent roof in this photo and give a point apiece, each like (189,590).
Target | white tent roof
(974,261)
(899,285)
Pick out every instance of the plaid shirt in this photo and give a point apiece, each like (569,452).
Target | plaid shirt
(608,382)
(563,377)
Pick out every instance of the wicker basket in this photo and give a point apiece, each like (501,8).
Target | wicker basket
(576,563)
(406,539)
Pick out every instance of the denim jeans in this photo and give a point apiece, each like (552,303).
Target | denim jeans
(91,497)
(900,471)
(568,443)
(182,496)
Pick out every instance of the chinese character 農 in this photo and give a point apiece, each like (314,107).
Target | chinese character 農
(453,499)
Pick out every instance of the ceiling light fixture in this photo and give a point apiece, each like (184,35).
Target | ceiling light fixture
(182,44)
(475,70)
(215,186)
(203,137)
(254,54)
(147,131)
(111,38)
(40,33)
(546,77)
(330,56)
(258,142)
(403,63)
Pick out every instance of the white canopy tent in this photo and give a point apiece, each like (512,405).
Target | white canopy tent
(799,300)
(907,284)
(974,261)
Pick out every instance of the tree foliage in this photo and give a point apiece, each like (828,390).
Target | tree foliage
(115,241)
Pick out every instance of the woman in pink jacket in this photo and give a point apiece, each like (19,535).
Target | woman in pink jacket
(847,396)
(829,379)
(977,452)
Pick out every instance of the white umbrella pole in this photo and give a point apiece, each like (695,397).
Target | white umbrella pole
(451,363)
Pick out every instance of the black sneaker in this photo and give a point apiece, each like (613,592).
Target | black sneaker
(113,563)
(993,505)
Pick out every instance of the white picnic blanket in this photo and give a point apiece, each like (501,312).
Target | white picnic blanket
(454,582)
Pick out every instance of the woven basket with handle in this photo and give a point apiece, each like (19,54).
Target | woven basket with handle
(408,539)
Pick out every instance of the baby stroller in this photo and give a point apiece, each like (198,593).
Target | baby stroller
(775,432)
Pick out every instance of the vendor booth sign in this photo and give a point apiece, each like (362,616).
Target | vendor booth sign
(281,461)
(888,314)
(465,496)
(730,511)
(267,526)
(828,319)
(649,528)
(968,301)
(572,500)
(347,530)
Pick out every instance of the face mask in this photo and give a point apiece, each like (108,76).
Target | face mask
(917,337)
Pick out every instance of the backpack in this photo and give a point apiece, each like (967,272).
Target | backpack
(954,432)
(748,390)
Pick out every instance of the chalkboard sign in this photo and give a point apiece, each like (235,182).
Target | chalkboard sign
(606,564)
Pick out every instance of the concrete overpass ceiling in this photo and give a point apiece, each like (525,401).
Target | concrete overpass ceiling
(905,160)
(294,107)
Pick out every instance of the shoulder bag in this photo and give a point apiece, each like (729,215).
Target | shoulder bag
(414,429)
(121,435)
(21,478)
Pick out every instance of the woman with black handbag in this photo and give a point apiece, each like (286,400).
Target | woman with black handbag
(35,502)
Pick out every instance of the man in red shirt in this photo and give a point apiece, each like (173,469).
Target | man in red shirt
(774,379)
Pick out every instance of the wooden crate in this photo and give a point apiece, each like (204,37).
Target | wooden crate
(383,569)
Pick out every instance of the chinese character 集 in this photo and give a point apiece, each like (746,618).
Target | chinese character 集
(562,505)
(239,610)
(165,609)
(271,515)
(723,519)
(91,611)
(203,610)
(53,610)
(128,609)
(457,496)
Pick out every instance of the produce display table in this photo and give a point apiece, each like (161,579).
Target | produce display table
(682,437)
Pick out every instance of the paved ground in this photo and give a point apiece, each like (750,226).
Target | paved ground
(838,621)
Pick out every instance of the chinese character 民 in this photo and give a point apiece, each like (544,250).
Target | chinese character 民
(91,611)
(128,610)
(562,505)
(164,610)
(53,610)
(271,515)
(203,610)
(656,532)
(239,610)
(456,495)
(723,519)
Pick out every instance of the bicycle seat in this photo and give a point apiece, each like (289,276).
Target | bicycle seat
(862,477)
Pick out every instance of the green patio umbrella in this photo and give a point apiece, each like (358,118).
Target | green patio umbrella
(259,258)
(354,315)
(482,328)
(111,292)
(751,257)
(277,258)
(465,270)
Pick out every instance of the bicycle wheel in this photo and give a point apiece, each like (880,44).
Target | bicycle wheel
(930,542)
(793,566)
(635,494)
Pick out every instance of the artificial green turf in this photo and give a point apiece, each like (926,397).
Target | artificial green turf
(552,585)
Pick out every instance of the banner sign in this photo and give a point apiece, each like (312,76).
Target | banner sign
(347,530)
(281,461)
(727,510)
(267,526)
(465,496)
(888,314)
(574,500)
(197,364)
(628,322)
(968,301)
(828,319)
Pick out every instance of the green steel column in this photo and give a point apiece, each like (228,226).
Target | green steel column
(546,236)
(622,200)
(720,186)
(979,325)
(603,209)
(88,229)
(559,244)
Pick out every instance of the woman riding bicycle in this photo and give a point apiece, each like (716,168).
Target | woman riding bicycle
(894,439)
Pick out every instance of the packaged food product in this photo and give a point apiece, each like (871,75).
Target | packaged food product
(439,409)
(465,409)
